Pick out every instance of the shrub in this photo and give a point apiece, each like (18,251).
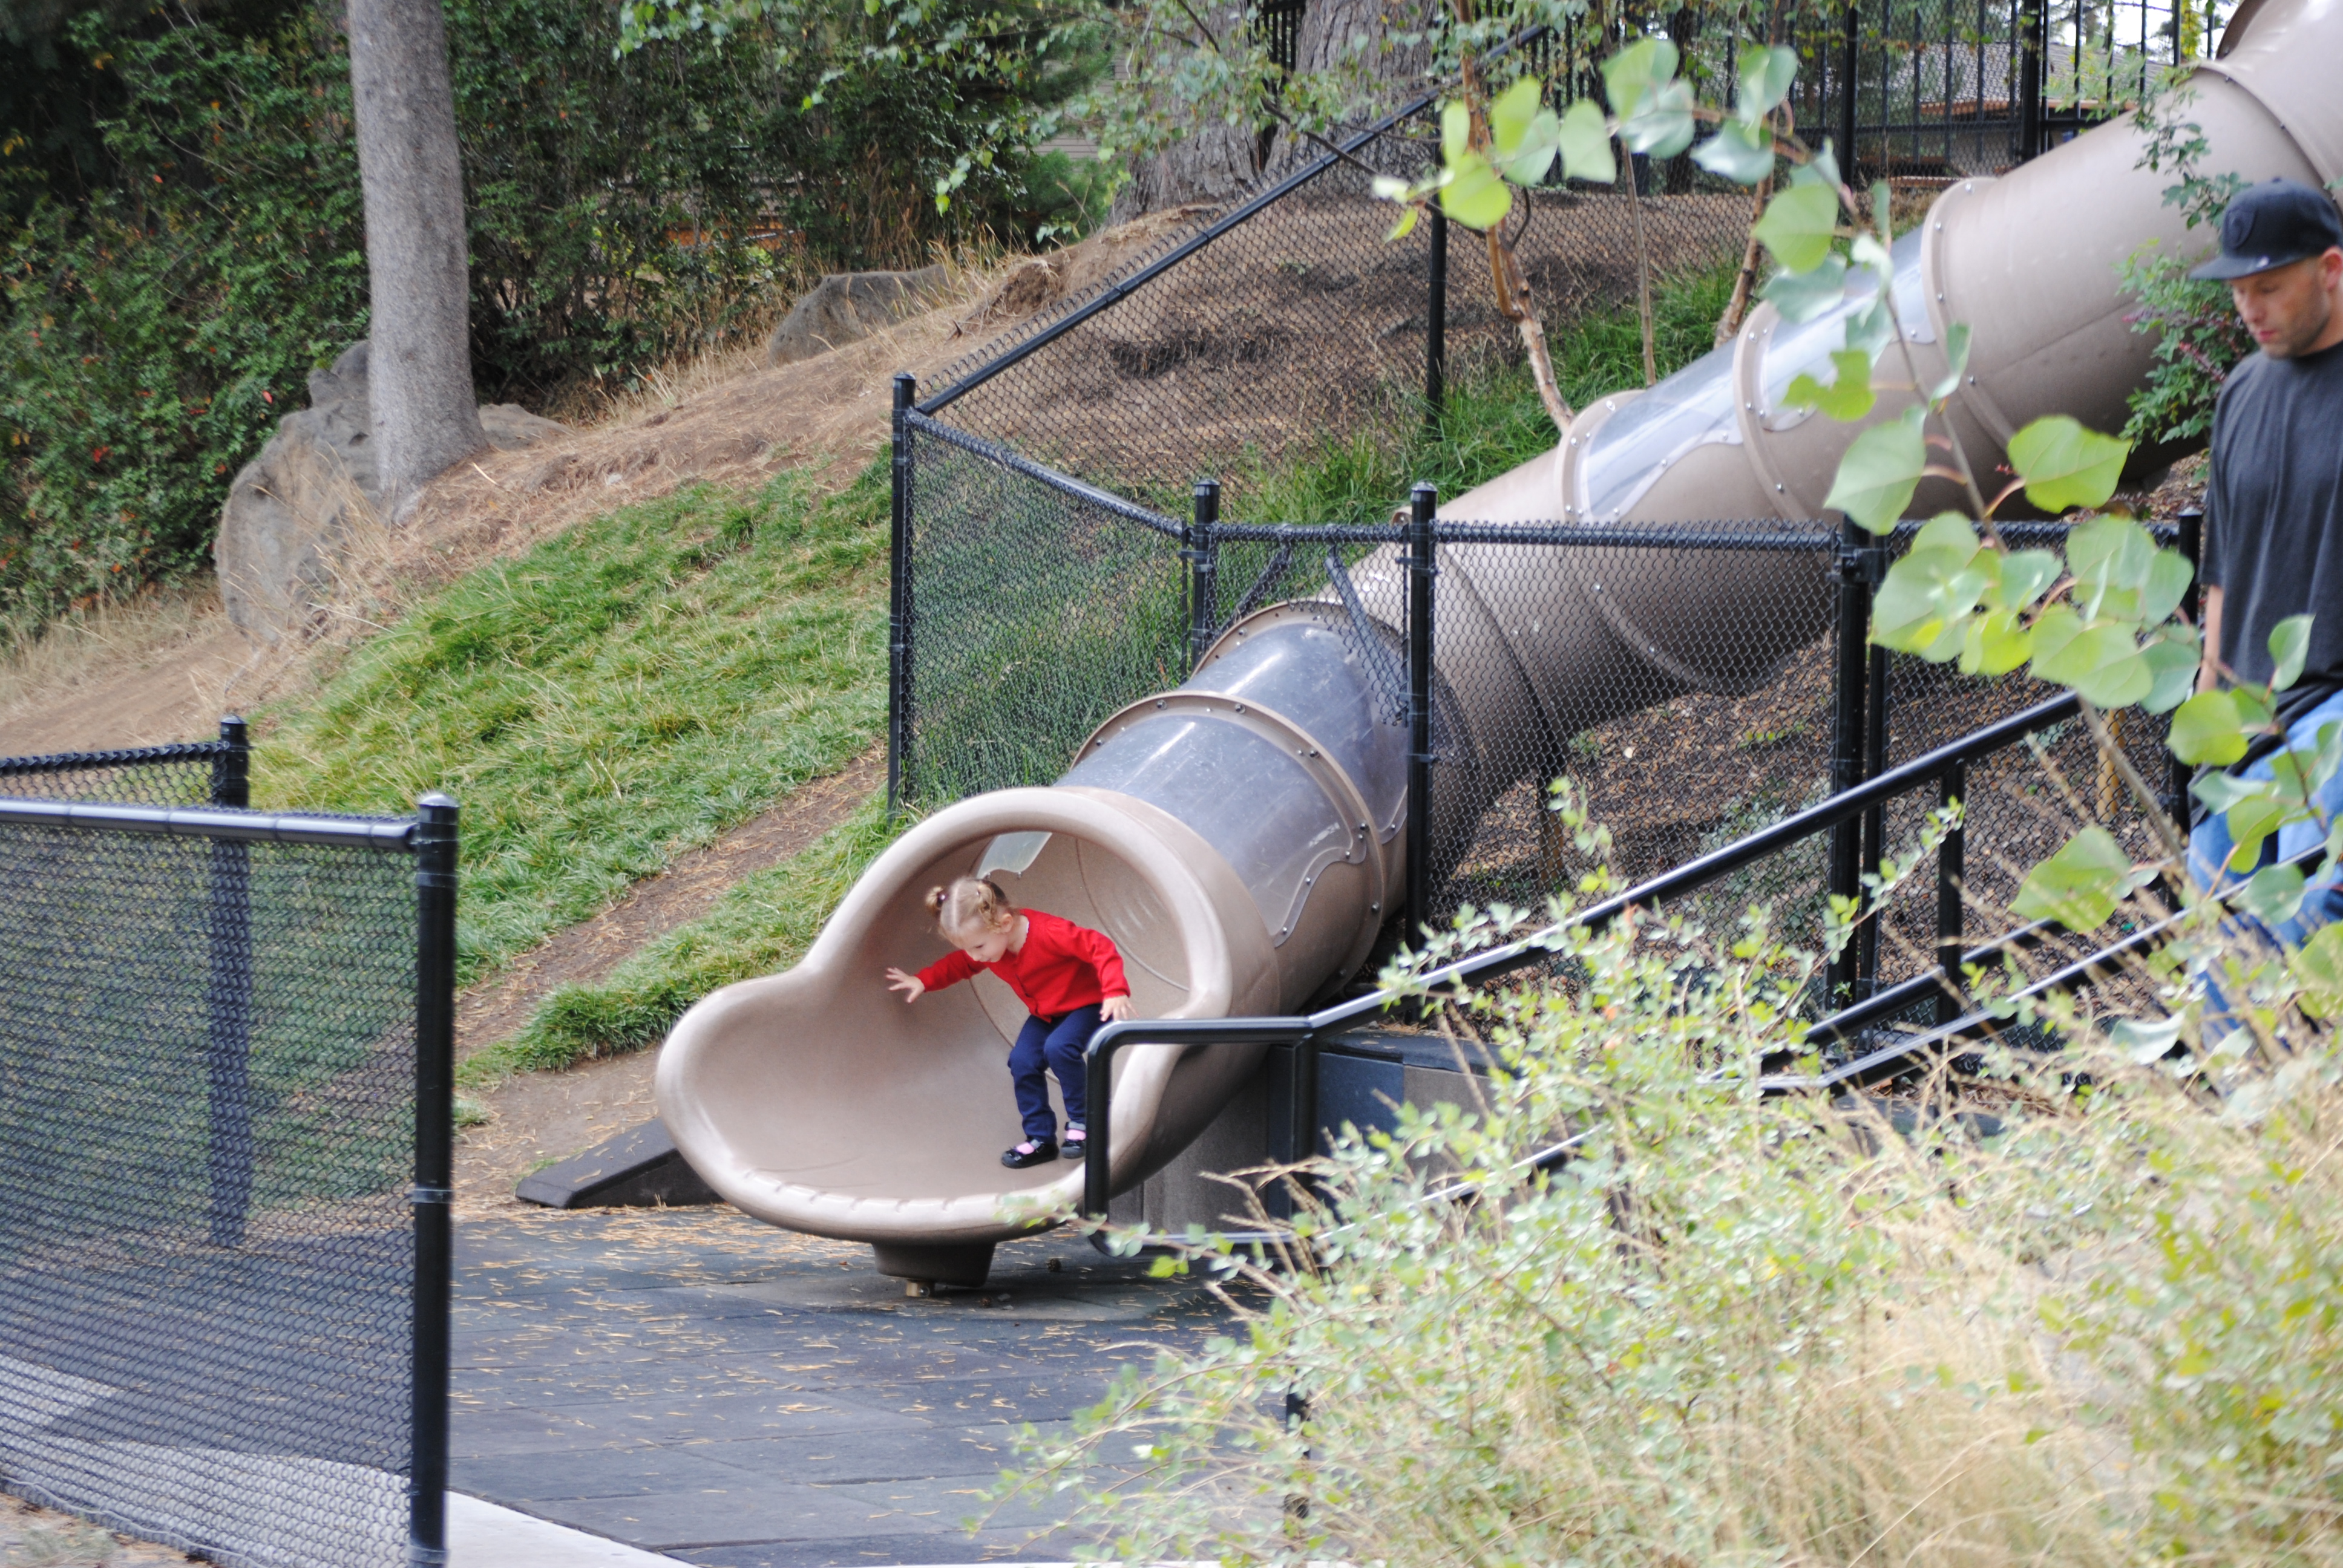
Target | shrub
(2097,1327)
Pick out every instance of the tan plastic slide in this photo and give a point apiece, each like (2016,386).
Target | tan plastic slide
(1239,838)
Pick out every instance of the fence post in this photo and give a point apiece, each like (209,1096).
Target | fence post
(898,597)
(1435,325)
(1204,558)
(435,1123)
(1853,572)
(227,1001)
(1876,697)
(2191,545)
(1849,74)
(1951,868)
(2033,24)
(1423,503)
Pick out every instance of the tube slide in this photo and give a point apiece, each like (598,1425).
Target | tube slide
(1240,836)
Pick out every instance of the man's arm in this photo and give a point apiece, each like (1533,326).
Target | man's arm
(2207,676)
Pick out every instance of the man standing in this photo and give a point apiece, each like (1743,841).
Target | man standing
(2274,504)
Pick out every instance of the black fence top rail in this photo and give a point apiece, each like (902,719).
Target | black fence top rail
(1065,484)
(217,822)
(94,762)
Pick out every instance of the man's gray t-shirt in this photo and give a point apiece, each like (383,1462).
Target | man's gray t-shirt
(2273,511)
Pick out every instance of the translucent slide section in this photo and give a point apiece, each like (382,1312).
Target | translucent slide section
(1240,836)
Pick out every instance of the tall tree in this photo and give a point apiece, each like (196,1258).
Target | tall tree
(426,414)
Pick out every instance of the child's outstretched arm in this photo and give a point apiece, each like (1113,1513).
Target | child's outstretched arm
(909,985)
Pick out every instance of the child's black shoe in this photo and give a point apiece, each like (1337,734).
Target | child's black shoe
(1031,1153)
(1076,1146)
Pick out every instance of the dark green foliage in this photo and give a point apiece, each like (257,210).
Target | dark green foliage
(2198,340)
(182,239)
(151,340)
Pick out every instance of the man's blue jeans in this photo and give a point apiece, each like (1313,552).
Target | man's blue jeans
(2210,844)
(1044,1046)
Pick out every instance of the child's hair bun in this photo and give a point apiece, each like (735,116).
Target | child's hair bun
(936,900)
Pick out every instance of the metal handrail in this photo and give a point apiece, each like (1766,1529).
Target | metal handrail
(1302,1031)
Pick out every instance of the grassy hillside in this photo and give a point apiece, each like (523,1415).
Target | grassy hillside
(618,694)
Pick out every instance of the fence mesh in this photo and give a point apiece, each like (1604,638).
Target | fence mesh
(1302,330)
(207,1248)
(151,775)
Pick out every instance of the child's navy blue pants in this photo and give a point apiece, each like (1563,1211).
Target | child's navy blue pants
(1044,1046)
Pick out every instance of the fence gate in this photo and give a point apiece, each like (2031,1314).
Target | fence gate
(224,1099)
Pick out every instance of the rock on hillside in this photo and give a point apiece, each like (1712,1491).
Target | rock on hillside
(290,512)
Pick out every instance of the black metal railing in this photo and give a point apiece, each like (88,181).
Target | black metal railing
(225,1207)
(1945,767)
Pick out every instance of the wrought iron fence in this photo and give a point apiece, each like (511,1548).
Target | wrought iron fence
(225,1080)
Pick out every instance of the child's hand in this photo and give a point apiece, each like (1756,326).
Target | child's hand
(1115,1008)
(907,984)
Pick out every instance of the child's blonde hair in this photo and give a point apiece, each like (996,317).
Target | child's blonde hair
(971,906)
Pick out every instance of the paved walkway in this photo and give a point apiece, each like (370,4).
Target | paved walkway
(691,1382)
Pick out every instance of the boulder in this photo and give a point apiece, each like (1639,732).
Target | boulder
(848,307)
(286,527)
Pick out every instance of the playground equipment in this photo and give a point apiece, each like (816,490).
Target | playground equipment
(1241,838)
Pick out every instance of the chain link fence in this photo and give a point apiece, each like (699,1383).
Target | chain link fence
(219,1277)
(1291,324)
(193,773)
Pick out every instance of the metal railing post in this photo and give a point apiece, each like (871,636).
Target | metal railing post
(1202,556)
(898,596)
(2033,24)
(1875,697)
(2191,545)
(227,998)
(1849,60)
(1423,503)
(1436,327)
(433,1198)
(1951,870)
(1847,733)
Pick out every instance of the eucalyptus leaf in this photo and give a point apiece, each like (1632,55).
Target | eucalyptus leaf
(1799,225)
(1803,296)
(1995,644)
(1957,361)
(2251,821)
(1871,328)
(1766,75)
(1637,72)
(2274,895)
(2064,465)
(1455,132)
(2222,791)
(2205,731)
(1741,153)
(1821,169)
(1539,144)
(1406,224)
(1586,142)
(1881,471)
(1476,196)
(2172,674)
(1662,124)
(2079,886)
(2318,968)
(1847,398)
(2025,575)
(1511,113)
(2290,646)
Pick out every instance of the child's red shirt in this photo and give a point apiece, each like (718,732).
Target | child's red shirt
(1061,967)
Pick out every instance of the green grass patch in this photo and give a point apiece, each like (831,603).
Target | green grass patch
(617,695)
(762,924)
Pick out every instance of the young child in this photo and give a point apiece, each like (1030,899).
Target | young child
(1068,978)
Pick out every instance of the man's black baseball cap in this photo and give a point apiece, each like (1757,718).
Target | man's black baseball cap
(2270,224)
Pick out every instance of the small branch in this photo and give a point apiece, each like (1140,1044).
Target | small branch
(2146,797)
(1643,264)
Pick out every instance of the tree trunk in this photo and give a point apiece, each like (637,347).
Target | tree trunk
(1376,75)
(1216,164)
(426,413)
